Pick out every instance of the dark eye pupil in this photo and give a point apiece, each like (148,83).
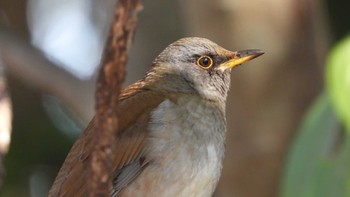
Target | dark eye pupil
(205,61)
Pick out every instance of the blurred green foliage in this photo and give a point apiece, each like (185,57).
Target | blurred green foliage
(338,80)
(319,160)
(37,148)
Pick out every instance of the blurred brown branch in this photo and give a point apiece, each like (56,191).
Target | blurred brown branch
(111,76)
(30,65)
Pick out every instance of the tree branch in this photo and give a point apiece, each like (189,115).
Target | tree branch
(107,91)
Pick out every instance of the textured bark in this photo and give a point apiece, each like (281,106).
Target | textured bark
(109,82)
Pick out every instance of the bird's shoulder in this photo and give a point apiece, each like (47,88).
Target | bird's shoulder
(135,105)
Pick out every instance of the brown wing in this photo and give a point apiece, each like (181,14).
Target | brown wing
(135,103)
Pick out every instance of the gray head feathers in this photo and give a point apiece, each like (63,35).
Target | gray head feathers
(178,69)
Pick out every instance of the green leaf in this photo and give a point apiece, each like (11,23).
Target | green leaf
(318,164)
(308,167)
(338,80)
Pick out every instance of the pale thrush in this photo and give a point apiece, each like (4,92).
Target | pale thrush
(172,129)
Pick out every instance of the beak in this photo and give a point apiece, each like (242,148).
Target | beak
(239,58)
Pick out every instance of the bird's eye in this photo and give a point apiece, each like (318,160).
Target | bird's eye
(205,62)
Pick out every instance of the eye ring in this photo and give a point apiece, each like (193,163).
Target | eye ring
(205,62)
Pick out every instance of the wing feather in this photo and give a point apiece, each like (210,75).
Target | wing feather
(135,103)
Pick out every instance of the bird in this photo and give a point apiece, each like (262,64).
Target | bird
(171,134)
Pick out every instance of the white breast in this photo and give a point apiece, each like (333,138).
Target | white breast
(186,146)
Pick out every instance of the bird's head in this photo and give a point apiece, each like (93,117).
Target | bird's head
(197,66)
